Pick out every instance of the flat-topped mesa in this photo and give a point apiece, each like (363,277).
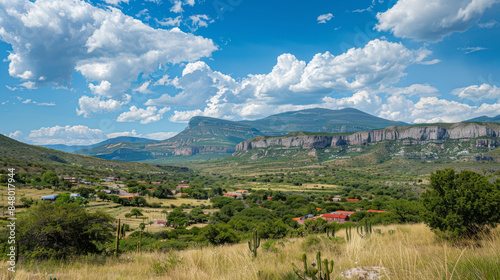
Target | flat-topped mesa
(420,133)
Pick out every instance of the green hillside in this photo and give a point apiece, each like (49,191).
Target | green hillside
(23,156)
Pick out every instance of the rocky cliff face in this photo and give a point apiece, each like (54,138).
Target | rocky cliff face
(420,133)
(189,151)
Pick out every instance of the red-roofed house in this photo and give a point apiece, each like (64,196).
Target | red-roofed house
(352,199)
(155,183)
(335,218)
(181,194)
(377,211)
(269,197)
(241,192)
(180,187)
(340,212)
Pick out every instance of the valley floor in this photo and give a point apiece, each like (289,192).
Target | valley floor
(411,252)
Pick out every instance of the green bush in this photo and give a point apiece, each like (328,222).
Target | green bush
(461,205)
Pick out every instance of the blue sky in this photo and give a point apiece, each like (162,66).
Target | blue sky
(78,72)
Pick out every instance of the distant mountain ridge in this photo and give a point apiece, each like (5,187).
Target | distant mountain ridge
(206,135)
(75,148)
(485,119)
(320,120)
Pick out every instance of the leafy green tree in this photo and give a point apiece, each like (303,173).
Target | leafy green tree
(162,192)
(103,196)
(27,201)
(136,212)
(406,211)
(142,226)
(139,201)
(197,215)
(177,218)
(220,234)
(461,205)
(55,231)
(221,201)
(50,178)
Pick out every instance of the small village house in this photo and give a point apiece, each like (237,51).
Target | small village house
(335,218)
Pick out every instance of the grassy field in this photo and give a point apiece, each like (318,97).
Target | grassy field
(411,252)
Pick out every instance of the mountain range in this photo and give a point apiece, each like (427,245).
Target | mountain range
(205,135)
(217,137)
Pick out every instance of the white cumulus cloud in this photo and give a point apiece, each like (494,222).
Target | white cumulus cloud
(431,21)
(149,115)
(94,105)
(109,48)
(69,135)
(17,135)
(363,72)
(324,18)
(478,92)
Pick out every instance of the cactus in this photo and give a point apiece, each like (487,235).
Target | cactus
(139,244)
(322,272)
(328,233)
(122,230)
(365,231)
(117,246)
(254,243)
(348,234)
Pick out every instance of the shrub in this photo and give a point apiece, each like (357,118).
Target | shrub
(52,230)
(461,205)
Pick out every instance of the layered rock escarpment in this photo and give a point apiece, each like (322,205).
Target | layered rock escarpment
(189,151)
(419,132)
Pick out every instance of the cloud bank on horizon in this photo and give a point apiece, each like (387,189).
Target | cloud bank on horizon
(135,67)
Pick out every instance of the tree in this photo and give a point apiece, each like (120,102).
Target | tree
(177,218)
(406,211)
(136,212)
(197,215)
(461,205)
(102,195)
(220,234)
(52,230)
(142,226)
(50,178)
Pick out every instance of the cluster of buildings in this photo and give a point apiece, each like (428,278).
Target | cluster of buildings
(237,194)
(337,216)
(53,197)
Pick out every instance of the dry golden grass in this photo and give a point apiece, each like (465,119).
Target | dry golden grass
(412,252)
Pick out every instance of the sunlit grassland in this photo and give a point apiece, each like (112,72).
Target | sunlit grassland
(411,252)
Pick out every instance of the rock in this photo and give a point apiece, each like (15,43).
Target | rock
(411,134)
(364,273)
(188,151)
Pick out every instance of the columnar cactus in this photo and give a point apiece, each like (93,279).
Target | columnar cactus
(328,233)
(365,231)
(254,243)
(117,246)
(322,272)
(348,234)
(139,244)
